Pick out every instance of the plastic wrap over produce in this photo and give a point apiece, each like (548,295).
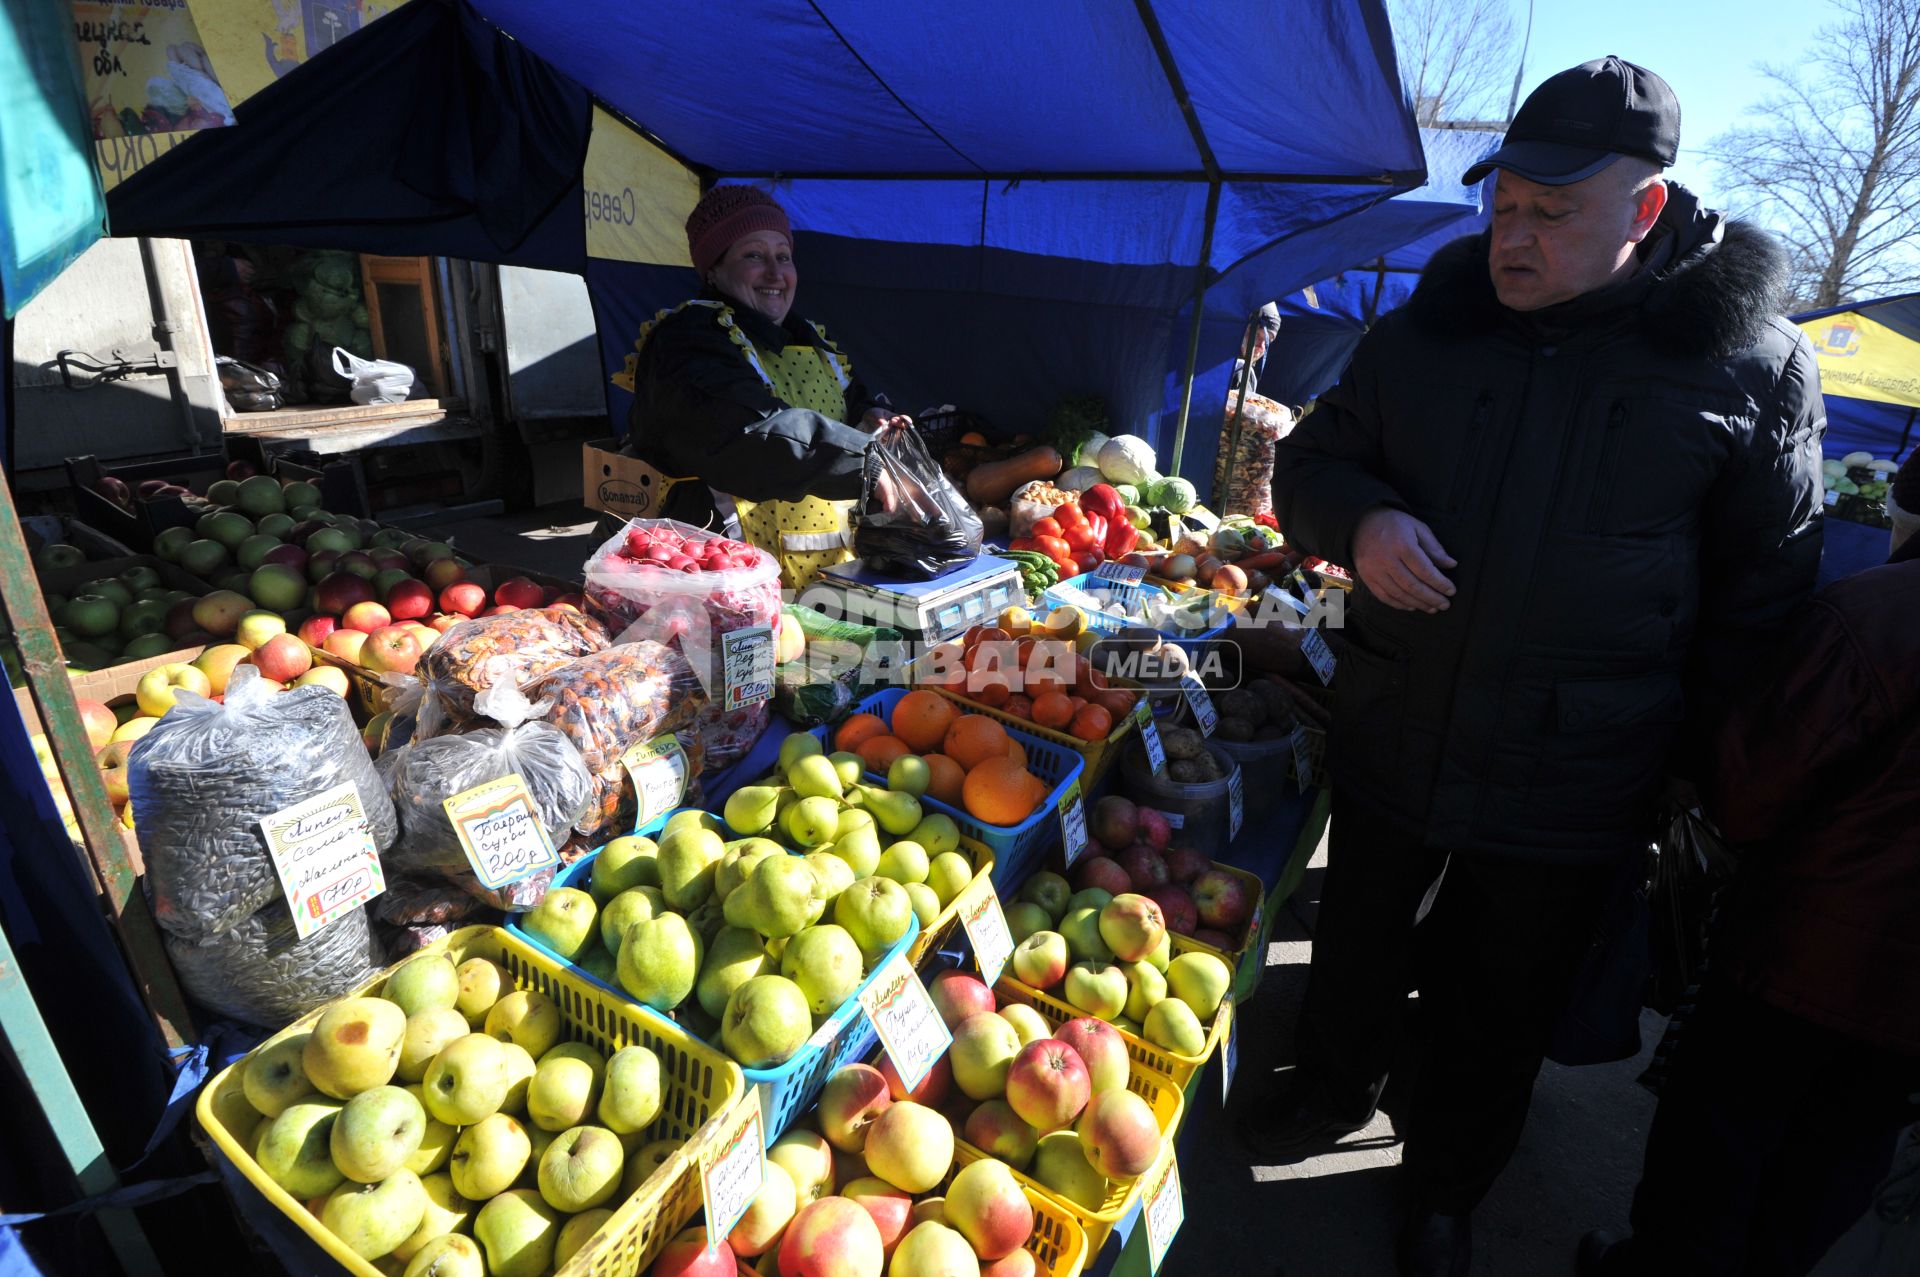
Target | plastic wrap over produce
(428,772)
(262,973)
(611,701)
(511,649)
(689,588)
(204,779)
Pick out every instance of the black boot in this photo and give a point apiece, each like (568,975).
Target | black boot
(1435,1245)
(1303,1119)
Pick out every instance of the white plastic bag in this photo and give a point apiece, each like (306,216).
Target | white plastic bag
(374,380)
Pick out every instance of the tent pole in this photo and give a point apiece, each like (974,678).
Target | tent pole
(1193,334)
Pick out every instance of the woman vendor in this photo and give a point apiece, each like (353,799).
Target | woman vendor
(745,405)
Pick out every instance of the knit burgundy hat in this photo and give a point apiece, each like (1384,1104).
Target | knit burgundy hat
(726,213)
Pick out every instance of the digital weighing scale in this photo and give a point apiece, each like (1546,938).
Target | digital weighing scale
(926,611)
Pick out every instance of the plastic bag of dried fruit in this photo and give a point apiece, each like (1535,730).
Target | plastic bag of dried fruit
(511,649)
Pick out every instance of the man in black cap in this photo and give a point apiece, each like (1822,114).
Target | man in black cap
(1578,478)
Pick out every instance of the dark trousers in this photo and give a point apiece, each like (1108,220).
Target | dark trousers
(1771,1135)
(1493,963)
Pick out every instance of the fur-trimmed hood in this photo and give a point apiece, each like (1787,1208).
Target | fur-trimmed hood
(1714,286)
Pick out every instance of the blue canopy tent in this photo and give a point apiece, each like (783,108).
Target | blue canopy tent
(1036,190)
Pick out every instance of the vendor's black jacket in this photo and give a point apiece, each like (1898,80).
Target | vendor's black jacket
(1630,482)
(700,410)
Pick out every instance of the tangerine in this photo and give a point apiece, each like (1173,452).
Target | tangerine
(921,719)
(859,728)
(1020,705)
(974,738)
(878,752)
(947,779)
(992,695)
(1016,751)
(1001,792)
(1053,709)
(1093,722)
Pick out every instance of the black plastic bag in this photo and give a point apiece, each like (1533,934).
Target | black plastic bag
(1693,865)
(912,521)
(249,387)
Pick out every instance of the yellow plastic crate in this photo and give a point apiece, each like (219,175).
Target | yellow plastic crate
(700,1087)
(1249,959)
(947,922)
(1057,1012)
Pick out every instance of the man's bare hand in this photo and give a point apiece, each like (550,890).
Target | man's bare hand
(1400,560)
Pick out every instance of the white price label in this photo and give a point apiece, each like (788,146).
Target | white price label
(1150,737)
(909,1026)
(1121,573)
(986,926)
(732,1175)
(500,830)
(658,770)
(1319,655)
(1302,760)
(747,658)
(1175,819)
(1205,716)
(1236,804)
(1073,824)
(1165,1211)
(1229,1050)
(325,856)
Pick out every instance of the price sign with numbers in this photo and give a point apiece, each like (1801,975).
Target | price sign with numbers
(1073,823)
(1150,737)
(325,856)
(500,830)
(986,927)
(658,770)
(732,1175)
(909,1026)
(1165,1211)
(1205,716)
(1319,655)
(1236,804)
(1122,573)
(747,666)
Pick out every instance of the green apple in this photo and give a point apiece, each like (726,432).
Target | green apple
(926,905)
(1081,927)
(1171,1023)
(581,1168)
(274,1077)
(811,822)
(1062,1167)
(528,1017)
(1098,988)
(376,1133)
(563,921)
(904,862)
(1094,898)
(447,1212)
(644,1162)
(631,1094)
(355,1046)
(467,1080)
(430,980)
(483,982)
(736,955)
(1200,980)
(1161,957)
(489,1156)
(948,874)
(795,747)
(372,1219)
(687,859)
(876,912)
(436,1141)
(429,1032)
(1048,890)
(623,864)
(1024,918)
(766,1021)
(518,1230)
(1145,987)
(1027,1022)
(635,904)
(909,774)
(520,1070)
(825,962)
(565,1087)
(542,1140)
(577,1232)
(449,1255)
(295,1151)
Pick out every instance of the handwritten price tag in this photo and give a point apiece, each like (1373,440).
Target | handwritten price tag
(986,926)
(1121,573)
(1302,760)
(500,831)
(1229,1049)
(1236,804)
(1150,737)
(1073,823)
(1165,1211)
(658,770)
(324,854)
(733,1174)
(747,662)
(1205,716)
(1319,655)
(903,1015)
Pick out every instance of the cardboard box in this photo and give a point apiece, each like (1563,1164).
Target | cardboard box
(59,529)
(618,484)
(111,687)
(149,515)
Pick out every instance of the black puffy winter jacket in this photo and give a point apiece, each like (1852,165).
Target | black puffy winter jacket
(1630,482)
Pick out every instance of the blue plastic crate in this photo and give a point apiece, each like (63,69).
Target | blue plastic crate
(1017,849)
(785,1091)
(1126,594)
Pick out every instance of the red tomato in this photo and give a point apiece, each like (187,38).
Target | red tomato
(1046,526)
(1080,536)
(1069,516)
(1053,547)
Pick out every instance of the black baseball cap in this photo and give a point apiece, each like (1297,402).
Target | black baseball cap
(1579,121)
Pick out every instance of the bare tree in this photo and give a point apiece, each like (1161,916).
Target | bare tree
(1457,57)
(1833,165)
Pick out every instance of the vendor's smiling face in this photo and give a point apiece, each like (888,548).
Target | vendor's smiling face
(758,272)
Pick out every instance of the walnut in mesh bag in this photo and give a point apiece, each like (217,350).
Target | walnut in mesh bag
(512,649)
(204,779)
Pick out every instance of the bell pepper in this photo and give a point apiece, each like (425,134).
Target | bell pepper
(1102,500)
(1097,524)
(1267,520)
(1121,538)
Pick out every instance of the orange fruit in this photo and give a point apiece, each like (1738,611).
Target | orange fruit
(1001,792)
(1016,751)
(1052,709)
(1092,723)
(974,738)
(947,779)
(1020,705)
(921,719)
(1116,702)
(859,728)
(878,752)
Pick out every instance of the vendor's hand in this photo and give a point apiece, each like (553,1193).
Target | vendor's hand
(879,419)
(1399,559)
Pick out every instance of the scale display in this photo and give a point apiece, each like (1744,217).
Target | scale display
(928,611)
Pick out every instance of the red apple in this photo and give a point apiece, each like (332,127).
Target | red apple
(989,1208)
(99,722)
(1048,1084)
(687,1256)
(573,602)
(1114,821)
(851,1101)
(150,487)
(1119,1134)
(463,597)
(114,490)
(1143,866)
(892,1210)
(314,630)
(1184,864)
(958,995)
(345,644)
(932,1089)
(1155,831)
(112,761)
(1176,906)
(291,555)
(283,658)
(996,1130)
(1104,873)
(833,1237)
(518,591)
(386,558)
(1019,1263)
(180,620)
(340,591)
(443,622)
(440,573)
(390,649)
(237,470)
(1217,939)
(501,609)
(366,617)
(1222,901)
(1101,1048)
(409,600)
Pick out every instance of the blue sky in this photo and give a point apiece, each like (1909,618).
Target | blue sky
(1706,49)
